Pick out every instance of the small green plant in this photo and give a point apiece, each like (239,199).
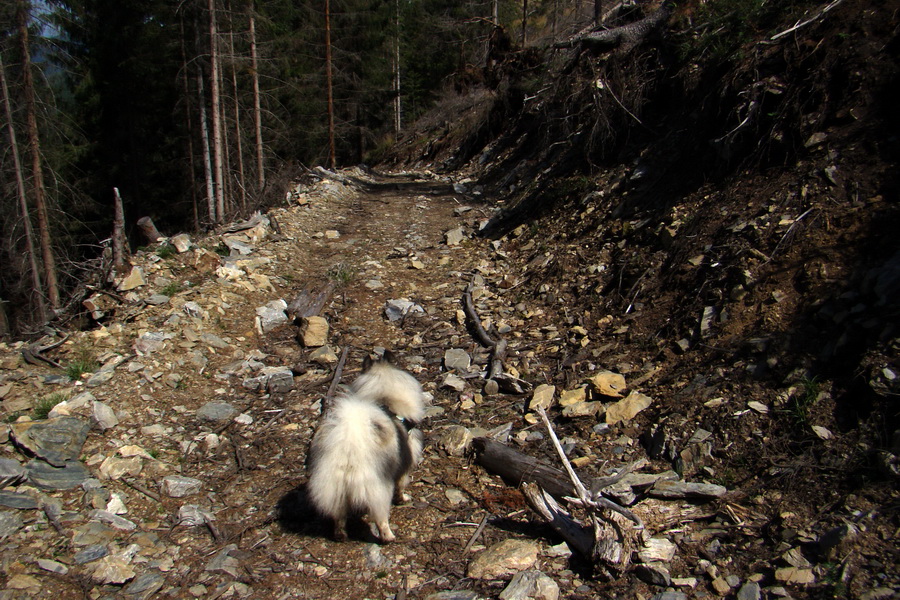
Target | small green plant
(45,404)
(171,289)
(222,250)
(12,417)
(83,361)
(341,274)
(804,399)
(166,251)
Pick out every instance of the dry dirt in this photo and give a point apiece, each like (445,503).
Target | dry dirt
(786,486)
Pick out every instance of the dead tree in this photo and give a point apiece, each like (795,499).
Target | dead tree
(37,174)
(36,284)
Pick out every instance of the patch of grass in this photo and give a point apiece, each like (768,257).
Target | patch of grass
(12,417)
(171,289)
(43,406)
(800,403)
(83,361)
(341,274)
(166,251)
(222,250)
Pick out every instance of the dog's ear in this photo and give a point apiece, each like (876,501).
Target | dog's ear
(367,363)
(389,357)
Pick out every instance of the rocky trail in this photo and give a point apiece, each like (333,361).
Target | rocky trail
(166,458)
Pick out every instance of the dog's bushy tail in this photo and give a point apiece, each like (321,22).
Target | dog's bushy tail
(397,390)
(352,454)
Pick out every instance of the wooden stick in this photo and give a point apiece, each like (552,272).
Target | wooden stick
(583,495)
(477,533)
(338,371)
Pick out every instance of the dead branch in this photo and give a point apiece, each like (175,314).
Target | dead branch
(505,381)
(574,533)
(338,371)
(596,502)
(34,353)
(814,18)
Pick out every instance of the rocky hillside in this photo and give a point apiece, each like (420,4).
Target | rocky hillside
(698,288)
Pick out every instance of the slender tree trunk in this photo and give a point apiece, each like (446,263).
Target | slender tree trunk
(397,107)
(239,151)
(332,161)
(227,186)
(190,129)
(36,284)
(216,116)
(40,192)
(118,236)
(524,20)
(257,112)
(207,155)
(598,12)
(495,12)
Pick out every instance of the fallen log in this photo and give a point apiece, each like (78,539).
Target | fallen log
(516,468)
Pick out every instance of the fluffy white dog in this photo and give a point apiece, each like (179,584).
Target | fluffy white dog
(365,447)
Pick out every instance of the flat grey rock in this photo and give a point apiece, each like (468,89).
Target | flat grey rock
(143,586)
(17,500)
(90,554)
(11,472)
(216,411)
(46,476)
(10,523)
(57,441)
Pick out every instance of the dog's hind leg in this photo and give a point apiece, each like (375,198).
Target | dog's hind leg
(340,529)
(381,516)
(399,495)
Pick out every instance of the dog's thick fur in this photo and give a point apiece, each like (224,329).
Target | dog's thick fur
(363,451)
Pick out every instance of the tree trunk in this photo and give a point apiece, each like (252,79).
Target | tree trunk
(207,156)
(190,130)
(118,236)
(40,193)
(598,12)
(148,228)
(257,112)
(332,161)
(216,116)
(237,121)
(397,106)
(38,287)
(524,20)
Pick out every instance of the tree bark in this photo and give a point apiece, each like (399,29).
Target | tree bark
(524,20)
(189,127)
(118,236)
(257,112)
(216,117)
(36,284)
(332,161)
(40,192)
(207,155)
(237,121)
(397,123)
(148,228)
(517,468)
